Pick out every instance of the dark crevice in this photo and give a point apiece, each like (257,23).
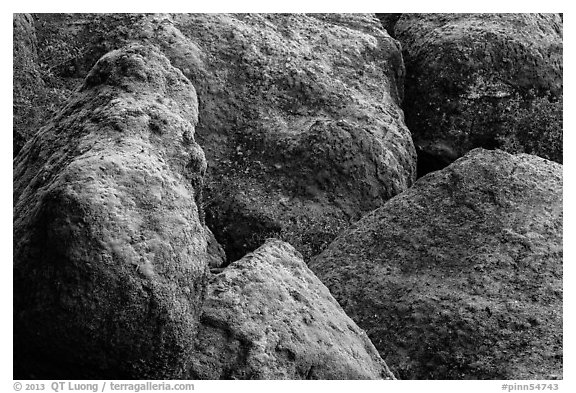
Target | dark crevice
(388,22)
(430,162)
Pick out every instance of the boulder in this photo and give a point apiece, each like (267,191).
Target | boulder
(481,80)
(299,120)
(299,116)
(460,277)
(53,53)
(267,316)
(110,253)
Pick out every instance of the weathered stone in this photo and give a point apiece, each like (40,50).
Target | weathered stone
(27,80)
(300,123)
(461,275)
(216,254)
(470,77)
(299,117)
(268,317)
(109,249)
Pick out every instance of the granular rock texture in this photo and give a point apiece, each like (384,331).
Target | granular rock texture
(110,257)
(216,254)
(461,275)
(299,116)
(470,76)
(268,317)
(299,120)
(27,79)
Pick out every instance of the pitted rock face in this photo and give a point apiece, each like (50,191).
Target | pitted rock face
(267,316)
(109,248)
(468,74)
(460,277)
(277,94)
(299,120)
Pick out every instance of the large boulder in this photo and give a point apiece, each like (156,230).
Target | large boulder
(110,256)
(299,116)
(267,316)
(481,80)
(461,275)
(300,121)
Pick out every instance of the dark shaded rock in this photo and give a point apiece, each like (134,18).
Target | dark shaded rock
(461,275)
(299,116)
(109,249)
(27,80)
(268,317)
(52,55)
(25,44)
(389,22)
(471,78)
(216,254)
(434,158)
(72,43)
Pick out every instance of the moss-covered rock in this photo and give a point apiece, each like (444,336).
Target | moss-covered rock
(460,277)
(267,316)
(110,255)
(472,78)
(27,81)
(299,115)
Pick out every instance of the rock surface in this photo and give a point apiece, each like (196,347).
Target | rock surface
(461,275)
(300,123)
(299,116)
(27,79)
(389,22)
(469,77)
(109,248)
(268,317)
